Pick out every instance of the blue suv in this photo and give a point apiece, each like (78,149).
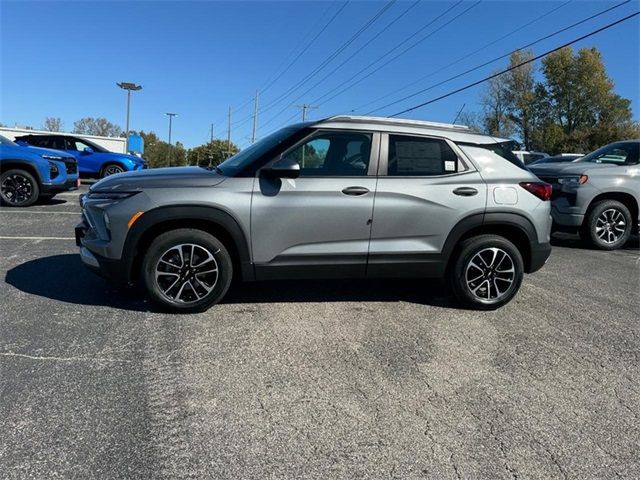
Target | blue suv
(28,173)
(93,160)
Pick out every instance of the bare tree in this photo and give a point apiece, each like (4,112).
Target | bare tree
(53,124)
(495,109)
(96,126)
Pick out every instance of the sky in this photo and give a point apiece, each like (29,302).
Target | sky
(197,59)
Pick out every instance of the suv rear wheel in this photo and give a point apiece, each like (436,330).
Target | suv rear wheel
(487,272)
(111,169)
(18,188)
(187,270)
(608,225)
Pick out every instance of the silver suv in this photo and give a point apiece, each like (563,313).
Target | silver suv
(598,194)
(343,197)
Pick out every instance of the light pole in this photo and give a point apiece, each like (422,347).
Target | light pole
(170,115)
(128,87)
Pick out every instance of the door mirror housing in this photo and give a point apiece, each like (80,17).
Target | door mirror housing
(87,150)
(282,168)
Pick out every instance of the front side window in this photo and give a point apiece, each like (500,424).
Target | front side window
(76,145)
(333,154)
(418,156)
(621,154)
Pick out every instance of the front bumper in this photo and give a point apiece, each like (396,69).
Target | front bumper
(113,270)
(68,185)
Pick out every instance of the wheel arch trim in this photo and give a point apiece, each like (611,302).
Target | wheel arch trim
(184,213)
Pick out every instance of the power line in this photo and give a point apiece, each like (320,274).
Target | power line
(448,22)
(535,20)
(388,52)
(326,61)
(471,85)
(530,44)
(357,52)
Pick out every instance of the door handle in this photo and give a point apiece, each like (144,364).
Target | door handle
(355,191)
(465,191)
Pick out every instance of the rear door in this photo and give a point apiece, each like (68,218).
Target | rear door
(318,224)
(424,189)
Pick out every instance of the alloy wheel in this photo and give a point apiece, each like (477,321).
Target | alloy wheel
(610,226)
(490,274)
(112,170)
(186,273)
(17,189)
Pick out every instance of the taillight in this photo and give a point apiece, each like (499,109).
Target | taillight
(541,190)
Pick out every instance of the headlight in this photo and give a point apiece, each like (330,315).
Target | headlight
(109,195)
(46,156)
(53,170)
(573,181)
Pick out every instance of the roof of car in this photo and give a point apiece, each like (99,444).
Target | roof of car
(459,133)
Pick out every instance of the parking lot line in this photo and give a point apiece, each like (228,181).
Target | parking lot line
(4,237)
(39,211)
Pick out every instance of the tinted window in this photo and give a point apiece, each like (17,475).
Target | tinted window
(416,156)
(54,142)
(74,144)
(333,154)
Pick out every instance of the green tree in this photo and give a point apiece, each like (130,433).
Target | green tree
(578,98)
(156,151)
(96,126)
(212,153)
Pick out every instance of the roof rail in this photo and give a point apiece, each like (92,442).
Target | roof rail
(398,121)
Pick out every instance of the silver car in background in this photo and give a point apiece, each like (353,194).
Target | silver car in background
(598,194)
(344,197)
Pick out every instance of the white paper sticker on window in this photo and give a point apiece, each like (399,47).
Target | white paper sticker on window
(449,166)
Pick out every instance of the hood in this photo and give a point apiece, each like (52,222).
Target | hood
(570,168)
(46,151)
(174,177)
(123,156)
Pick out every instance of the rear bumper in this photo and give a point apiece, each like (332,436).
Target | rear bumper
(540,253)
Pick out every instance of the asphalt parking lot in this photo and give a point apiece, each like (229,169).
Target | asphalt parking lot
(314,379)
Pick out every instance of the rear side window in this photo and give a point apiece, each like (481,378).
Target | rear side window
(501,149)
(418,156)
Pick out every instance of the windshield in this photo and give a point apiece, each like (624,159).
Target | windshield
(244,158)
(6,141)
(615,154)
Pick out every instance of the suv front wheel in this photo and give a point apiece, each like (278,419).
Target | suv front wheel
(487,272)
(187,270)
(608,225)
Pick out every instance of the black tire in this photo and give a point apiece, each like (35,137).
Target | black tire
(493,276)
(111,169)
(194,296)
(18,188)
(603,229)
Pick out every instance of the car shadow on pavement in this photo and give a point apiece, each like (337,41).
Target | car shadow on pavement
(574,241)
(417,290)
(50,201)
(64,278)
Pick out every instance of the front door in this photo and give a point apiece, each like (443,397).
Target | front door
(318,224)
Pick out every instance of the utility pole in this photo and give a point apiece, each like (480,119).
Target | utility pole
(170,115)
(211,148)
(255,119)
(229,134)
(305,108)
(128,86)
(459,112)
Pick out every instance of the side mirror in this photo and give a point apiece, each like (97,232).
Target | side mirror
(283,168)
(87,150)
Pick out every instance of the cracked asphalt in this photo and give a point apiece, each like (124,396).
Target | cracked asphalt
(349,379)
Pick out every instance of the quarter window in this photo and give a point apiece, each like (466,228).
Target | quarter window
(337,154)
(417,156)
